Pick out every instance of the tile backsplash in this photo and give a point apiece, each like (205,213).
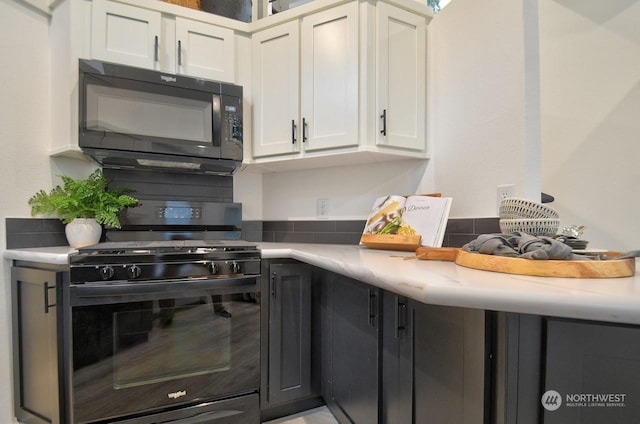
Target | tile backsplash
(458,232)
(35,232)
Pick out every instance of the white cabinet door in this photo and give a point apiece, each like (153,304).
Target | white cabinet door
(330,78)
(401,78)
(125,34)
(204,50)
(276,70)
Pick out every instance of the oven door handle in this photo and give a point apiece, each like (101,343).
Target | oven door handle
(206,417)
(230,285)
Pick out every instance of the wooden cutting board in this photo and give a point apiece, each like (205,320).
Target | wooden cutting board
(613,268)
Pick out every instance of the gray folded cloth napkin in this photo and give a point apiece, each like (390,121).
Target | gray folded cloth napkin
(522,245)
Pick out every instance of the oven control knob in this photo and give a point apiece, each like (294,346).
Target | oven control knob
(106,272)
(134,271)
(213,268)
(235,267)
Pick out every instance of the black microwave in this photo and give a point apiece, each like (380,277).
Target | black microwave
(143,119)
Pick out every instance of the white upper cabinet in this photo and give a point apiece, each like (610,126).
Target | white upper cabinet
(125,34)
(401,78)
(146,38)
(306,101)
(204,50)
(340,85)
(276,88)
(330,78)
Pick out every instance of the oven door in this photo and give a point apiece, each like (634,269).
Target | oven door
(153,347)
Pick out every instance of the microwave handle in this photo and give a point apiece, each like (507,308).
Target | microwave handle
(179,53)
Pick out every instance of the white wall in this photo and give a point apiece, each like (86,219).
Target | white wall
(482,128)
(350,190)
(590,82)
(24,135)
(24,129)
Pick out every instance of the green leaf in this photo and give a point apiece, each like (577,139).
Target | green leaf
(89,198)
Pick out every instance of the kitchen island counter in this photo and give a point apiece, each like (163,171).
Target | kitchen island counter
(445,283)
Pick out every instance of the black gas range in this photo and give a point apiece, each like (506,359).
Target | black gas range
(162,322)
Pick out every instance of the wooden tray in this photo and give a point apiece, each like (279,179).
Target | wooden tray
(390,242)
(541,268)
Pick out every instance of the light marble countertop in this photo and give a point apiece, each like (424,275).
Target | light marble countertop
(445,283)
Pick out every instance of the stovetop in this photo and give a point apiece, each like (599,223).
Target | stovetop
(169,259)
(166,246)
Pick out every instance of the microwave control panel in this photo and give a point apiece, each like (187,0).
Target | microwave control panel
(232,120)
(231,111)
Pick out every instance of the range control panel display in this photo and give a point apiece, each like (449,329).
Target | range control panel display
(176,212)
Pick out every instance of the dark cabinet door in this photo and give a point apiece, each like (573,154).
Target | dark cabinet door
(35,355)
(397,360)
(450,363)
(592,373)
(289,332)
(354,309)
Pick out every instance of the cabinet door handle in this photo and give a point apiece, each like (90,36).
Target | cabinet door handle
(179,53)
(372,308)
(155,49)
(401,316)
(273,285)
(293,131)
(383,131)
(48,305)
(304,130)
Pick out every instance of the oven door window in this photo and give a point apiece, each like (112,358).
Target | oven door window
(162,352)
(188,343)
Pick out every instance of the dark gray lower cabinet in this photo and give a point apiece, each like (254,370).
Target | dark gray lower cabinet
(351,356)
(391,360)
(451,357)
(595,370)
(37,397)
(434,363)
(397,360)
(517,369)
(288,351)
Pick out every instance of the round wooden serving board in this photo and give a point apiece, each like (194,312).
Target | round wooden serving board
(613,268)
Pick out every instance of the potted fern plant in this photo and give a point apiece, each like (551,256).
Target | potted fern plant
(83,205)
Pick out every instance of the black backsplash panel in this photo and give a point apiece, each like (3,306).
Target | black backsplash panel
(173,185)
(458,231)
(332,232)
(34,232)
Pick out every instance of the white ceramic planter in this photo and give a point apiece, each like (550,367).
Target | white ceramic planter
(83,232)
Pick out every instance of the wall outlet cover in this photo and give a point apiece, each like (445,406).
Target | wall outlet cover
(504,191)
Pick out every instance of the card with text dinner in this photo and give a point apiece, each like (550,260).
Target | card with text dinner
(410,221)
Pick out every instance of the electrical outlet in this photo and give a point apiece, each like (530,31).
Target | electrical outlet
(505,191)
(322,208)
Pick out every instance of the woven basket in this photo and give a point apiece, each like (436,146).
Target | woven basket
(515,208)
(193,4)
(533,226)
